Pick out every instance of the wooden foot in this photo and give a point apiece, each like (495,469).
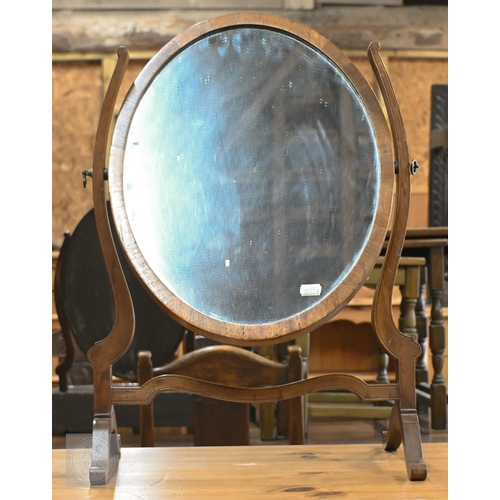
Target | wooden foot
(393,436)
(412,443)
(404,427)
(105,449)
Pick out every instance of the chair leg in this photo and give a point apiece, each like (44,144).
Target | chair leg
(220,423)
(268,412)
(146,412)
(437,339)
(267,421)
(296,407)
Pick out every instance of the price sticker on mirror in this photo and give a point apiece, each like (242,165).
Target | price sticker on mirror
(312,290)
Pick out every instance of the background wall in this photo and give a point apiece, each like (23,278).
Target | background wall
(86,34)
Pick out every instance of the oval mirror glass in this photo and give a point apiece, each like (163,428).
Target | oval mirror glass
(251,175)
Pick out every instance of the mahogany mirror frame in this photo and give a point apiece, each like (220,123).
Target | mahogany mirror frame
(329,305)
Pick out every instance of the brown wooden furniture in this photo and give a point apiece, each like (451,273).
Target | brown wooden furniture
(256,472)
(273,418)
(251,180)
(225,423)
(348,405)
(431,243)
(85,308)
(438,175)
(84,303)
(434,242)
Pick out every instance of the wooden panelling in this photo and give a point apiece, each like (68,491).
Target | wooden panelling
(198,4)
(363,64)
(412,80)
(76,102)
(349,344)
(343,346)
(77,93)
(418,27)
(419,207)
(134,68)
(78,88)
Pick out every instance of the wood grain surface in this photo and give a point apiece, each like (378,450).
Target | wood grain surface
(255,472)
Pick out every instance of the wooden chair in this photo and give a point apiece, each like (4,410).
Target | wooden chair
(219,423)
(86,310)
(85,306)
(347,405)
(273,418)
(251,180)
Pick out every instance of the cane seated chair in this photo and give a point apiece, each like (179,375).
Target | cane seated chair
(251,180)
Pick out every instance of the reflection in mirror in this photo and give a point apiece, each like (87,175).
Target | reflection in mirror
(251,170)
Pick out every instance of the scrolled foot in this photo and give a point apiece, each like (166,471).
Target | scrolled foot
(417,472)
(105,450)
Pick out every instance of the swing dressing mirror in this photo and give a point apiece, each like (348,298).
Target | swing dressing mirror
(251,181)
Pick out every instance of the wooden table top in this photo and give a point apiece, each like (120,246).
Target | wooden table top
(363,471)
(423,237)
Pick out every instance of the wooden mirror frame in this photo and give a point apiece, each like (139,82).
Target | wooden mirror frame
(329,305)
(403,424)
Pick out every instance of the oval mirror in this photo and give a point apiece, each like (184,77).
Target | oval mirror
(251,178)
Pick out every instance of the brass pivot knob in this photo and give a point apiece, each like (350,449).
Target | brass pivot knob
(85,174)
(414,166)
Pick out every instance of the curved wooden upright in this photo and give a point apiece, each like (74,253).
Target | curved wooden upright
(251,183)
(105,440)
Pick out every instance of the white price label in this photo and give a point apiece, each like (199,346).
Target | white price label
(313,290)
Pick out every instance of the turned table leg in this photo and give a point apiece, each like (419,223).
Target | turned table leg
(422,329)
(410,292)
(437,340)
